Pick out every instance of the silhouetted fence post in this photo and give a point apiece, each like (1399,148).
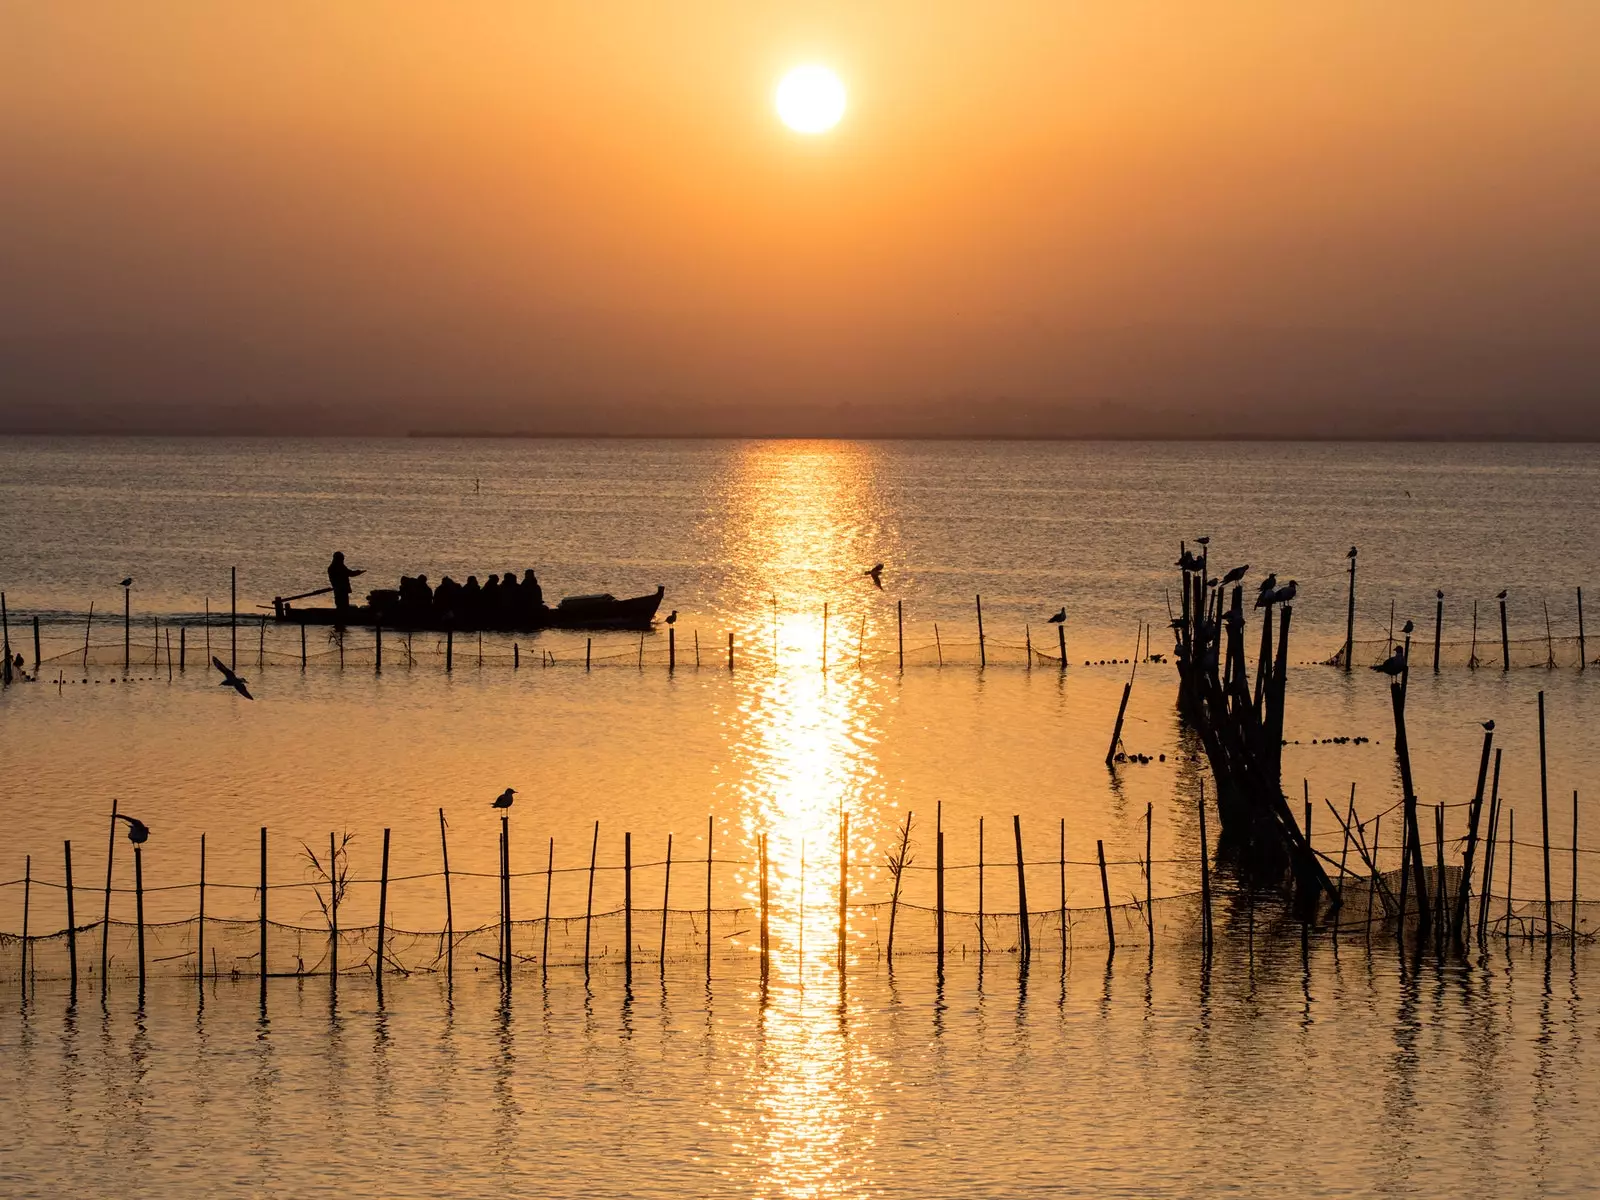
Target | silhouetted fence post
(588,652)
(233,618)
(200,924)
(900,630)
(36,655)
(1062,860)
(824,636)
(1350,616)
(982,935)
(138,911)
(588,907)
(983,658)
(1412,857)
(1024,934)
(1205,877)
(1458,917)
(549,880)
(27,894)
(1583,653)
(333,914)
(1438,626)
(627,907)
(764,930)
(666,897)
(844,886)
(505,905)
(383,911)
(1150,870)
(1505,637)
(938,897)
(377,649)
(899,872)
(672,649)
(302,647)
(730,651)
(105,921)
(449,909)
(449,650)
(1574,868)
(710,833)
(1544,818)
(1116,731)
(1105,894)
(127,614)
(183,647)
(263,940)
(72,924)
(1061,638)
(1488,852)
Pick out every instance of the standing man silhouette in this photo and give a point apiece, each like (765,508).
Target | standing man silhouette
(340,576)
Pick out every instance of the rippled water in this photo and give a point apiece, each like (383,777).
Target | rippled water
(1343,1074)
(1462,1078)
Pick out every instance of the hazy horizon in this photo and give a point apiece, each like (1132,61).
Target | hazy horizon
(1325,221)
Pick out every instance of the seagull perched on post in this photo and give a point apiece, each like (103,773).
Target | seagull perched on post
(128,582)
(1286,594)
(1187,561)
(1488,726)
(1061,617)
(503,800)
(1501,596)
(1235,575)
(138,831)
(1267,594)
(672,617)
(876,575)
(1394,665)
(1409,627)
(231,679)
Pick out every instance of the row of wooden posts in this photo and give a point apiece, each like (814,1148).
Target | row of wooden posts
(1348,654)
(506,955)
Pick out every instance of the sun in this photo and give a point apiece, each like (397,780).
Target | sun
(810,99)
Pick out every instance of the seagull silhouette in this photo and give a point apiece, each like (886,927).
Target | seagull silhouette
(1440,593)
(138,831)
(1394,665)
(1501,596)
(1286,594)
(1408,627)
(230,679)
(672,617)
(1267,584)
(1351,553)
(876,575)
(1061,617)
(1488,726)
(1188,562)
(1204,541)
(1235,575)
(503,800)
(128,582)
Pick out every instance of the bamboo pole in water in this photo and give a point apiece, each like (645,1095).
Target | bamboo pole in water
(1061,637)
(900,630)
(672,649)
(200,924)
(1574,867)
(333,911)
(138,911)
(710,833)
(588,907)
(1149,872)
(233,619)
(1205,877)
(824,636)
(27,894)
(983,657)
(449,908)
(383,911)
(1583,653)
(72,924)
(900,866)
(1511,862)
(938,898)
(1105,894)
(105,922)
(549,879)
(1505,637)
(1350,616)
(1438,626)
(1024,933)
(1488,852)
(627,906)
(1459,916)
(263,940)
(666,897)
(1544,817)
(982,939)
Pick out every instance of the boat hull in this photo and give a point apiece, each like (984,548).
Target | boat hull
(583,612)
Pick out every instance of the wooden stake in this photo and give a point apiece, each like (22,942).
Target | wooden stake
(1413,835)
(505,825)
(233,620)
(1149,871)
(1544,817)
(200,925)
(1439,912)
(1116,731)
(1024,932)
(261,646)
(938,901)
(900,867)
(1061,862)
(449,650)
(824,636)
(1061,636)
(1205,877)
(263,945)
(1459,916)
(126,631)
(1574,867)
(72,923)
(672,649)
(87,626)
(627,906)
(1505,639)
(666,899)
(1438,626)
(183,648)
(982,935)
(588,652)
(27,895)
(549,879)
(900,630)
(1488,852)
(763,896)
(588,908)
(710,834)
(333,913)
(36,658)
(983,658)
(1350,617)
(937,644)
(730,651)
(169,654)
(383,911)
(302,648)
(449,908)
(1583,653)
(1105,894)
(377,647)
(105,922)
(844,886)
(1511,859)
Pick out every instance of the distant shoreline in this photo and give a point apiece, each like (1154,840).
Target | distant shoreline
(576,436)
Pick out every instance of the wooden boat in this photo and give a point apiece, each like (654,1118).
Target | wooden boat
(594,611)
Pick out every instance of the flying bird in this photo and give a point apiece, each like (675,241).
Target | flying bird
(138,831)
(1488,726)
(1395,664)
(503,800)
(128,582)
(230,679)
(876,575)
(1061,617)
(1408,627)
(1235,575)
(672,617)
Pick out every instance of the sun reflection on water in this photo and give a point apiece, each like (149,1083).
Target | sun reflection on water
(803,743)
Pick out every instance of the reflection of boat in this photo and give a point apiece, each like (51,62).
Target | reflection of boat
(598,611)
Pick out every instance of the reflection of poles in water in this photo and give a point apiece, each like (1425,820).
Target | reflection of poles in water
(824,635)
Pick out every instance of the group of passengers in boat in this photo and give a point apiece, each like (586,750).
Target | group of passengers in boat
(501,601)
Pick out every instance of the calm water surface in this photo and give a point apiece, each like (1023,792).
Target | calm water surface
(1342,1075)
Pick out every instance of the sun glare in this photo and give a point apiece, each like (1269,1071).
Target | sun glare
(810,99)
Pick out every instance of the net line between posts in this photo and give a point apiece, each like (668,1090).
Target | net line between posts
(1077,903)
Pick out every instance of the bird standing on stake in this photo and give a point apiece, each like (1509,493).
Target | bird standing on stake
(231,679)
(672,617)
(875,573)
(138,831)
(1235,575)
(1061,616)
(1394,665)
(504,799)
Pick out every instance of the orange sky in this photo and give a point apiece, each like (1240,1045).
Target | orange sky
(517,215)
